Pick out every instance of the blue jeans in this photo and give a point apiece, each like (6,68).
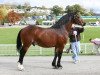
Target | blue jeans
(76,49)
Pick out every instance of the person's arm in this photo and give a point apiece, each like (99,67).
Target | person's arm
(70,33)
(68,49)
(93,41)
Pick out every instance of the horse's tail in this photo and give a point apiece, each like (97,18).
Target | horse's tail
(18,42)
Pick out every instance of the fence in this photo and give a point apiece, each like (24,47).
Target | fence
(10,49)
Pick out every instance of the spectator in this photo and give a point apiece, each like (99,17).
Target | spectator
(96,43)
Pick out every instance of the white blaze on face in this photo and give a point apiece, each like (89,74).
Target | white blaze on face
(76,25)
(73,25)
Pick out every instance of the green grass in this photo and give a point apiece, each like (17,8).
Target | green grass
(90,20)
(9,35)
(90,32)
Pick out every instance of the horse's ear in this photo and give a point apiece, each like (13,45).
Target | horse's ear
(76,14)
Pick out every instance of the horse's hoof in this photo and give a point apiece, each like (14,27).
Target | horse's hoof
(59,67)
(54,66)
(20,67)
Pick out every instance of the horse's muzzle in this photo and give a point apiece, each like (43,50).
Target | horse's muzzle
(84,24)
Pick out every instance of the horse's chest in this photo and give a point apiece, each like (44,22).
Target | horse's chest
(63,38)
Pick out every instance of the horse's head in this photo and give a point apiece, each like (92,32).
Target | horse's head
(74,18)
(77,19)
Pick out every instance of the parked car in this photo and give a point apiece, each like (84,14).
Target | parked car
(97,23)
(93,24)
(47,22)
(27,21)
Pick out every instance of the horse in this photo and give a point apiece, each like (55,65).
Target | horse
(55,36)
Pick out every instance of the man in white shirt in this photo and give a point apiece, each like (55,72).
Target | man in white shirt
(96,43)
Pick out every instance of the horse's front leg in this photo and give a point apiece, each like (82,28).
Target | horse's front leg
(59,60)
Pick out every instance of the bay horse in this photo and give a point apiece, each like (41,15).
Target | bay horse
(54,36)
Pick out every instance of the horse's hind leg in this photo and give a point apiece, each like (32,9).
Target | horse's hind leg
(22,54)
(60,51)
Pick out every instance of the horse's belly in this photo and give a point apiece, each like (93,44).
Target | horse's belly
(46,44)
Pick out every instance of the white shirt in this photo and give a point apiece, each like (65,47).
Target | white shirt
(96,41)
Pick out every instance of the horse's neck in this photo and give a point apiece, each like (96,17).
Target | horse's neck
(68,26)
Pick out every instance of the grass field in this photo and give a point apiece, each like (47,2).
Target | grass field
(90,32)
(90,20)
(9,35)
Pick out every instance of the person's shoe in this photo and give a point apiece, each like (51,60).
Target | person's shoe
(76,61)
(73,58)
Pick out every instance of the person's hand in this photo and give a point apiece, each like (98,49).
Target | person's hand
(95,43)
(75,32)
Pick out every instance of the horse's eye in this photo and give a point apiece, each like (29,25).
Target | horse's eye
(78,17)
(74,16)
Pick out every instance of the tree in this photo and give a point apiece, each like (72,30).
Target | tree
(69,9)
(13,17)
(77,8)
(57,10)
(19,7)
(91,11)
(26,8)
(3,14)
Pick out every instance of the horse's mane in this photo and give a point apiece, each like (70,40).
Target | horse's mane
(63,20)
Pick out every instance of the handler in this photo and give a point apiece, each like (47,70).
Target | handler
(74,37)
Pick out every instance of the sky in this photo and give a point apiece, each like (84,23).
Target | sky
(87,4)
